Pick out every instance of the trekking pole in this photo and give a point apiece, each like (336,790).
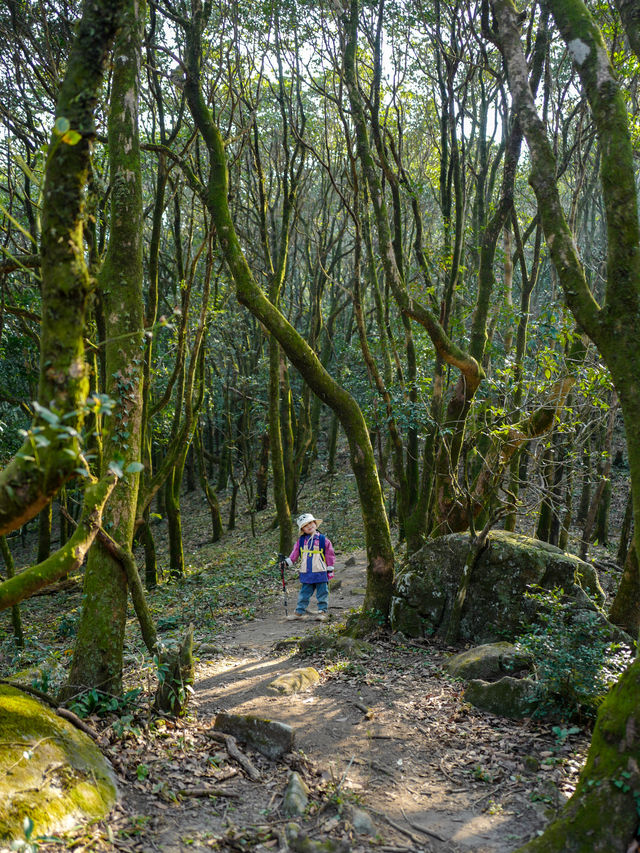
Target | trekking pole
(282,563)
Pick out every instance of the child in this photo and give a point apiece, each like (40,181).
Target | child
(316,567)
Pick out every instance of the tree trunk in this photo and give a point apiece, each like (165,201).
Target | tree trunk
(25,488)
(98,654)
(15,610)
(602,814)
(625,531)
(602,516)
(212,499)
(543,528)
(150,559)
(262,475)
(45,520)
(174,524)
(625,609)
(585,491)
(277,453)
(63,523)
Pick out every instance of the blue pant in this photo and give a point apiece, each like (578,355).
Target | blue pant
(306,591)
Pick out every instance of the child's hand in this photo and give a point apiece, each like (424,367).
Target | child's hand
(288,561)
(330,574)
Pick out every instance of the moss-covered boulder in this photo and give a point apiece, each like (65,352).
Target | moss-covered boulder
(50,771)
(488,662)
(509,697)
(295,681)
(495,606)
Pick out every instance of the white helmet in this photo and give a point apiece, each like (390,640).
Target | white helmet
(305,518)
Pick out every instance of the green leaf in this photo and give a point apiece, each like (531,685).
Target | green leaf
(72,137)
(46,414)
(116,468)
(61,126)
(134,468)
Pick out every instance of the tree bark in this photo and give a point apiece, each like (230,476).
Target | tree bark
(602,814)
(16,619)
(98,661)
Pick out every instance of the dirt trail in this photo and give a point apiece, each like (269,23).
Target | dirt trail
(410,762)
(390,731)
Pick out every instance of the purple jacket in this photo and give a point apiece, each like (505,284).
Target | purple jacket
(316,566)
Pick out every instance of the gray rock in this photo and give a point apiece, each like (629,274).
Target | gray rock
(347,646)
(362,823)
(351,561)
(488,662)
(353,648)
(296,796)
(495,606)
(286,644)
(509,697)
(269,737)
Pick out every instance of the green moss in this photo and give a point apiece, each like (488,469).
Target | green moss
(49,771)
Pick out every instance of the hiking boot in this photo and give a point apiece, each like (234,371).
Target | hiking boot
(322,616)
(294,616)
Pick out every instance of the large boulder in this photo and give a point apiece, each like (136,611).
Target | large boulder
(488,662)
(495,607)
(50,771)
(509,697)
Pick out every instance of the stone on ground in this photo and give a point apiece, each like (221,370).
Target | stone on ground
(296,796)
(496,606)
(509,697)
(300,842)
(50,771)
(270,737)
(362,823)
(488,662)
(295,681)
(347,646)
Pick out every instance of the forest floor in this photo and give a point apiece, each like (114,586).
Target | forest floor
(388,733)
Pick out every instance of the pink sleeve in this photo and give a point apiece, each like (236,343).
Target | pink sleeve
(293,556)
(329,553)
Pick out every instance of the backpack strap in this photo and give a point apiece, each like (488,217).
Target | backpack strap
(322,539)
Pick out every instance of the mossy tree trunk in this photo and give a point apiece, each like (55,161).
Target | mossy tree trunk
(97,660)
(16,619)
(625,531)
(27,487)
(70,557)
(625,610)
(376,526)
(602,814)
(172,487)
